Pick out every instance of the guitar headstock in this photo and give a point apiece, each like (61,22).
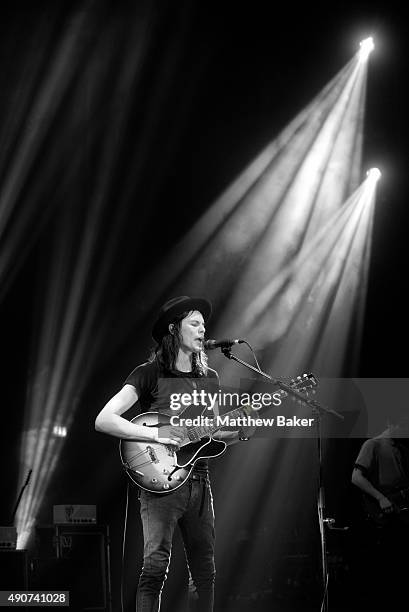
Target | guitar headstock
(304,384)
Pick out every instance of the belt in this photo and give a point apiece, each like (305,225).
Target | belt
(199,477)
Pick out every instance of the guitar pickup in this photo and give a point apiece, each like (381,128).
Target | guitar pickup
(152,454)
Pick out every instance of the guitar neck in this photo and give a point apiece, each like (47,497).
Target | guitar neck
(205,431)
(209,428)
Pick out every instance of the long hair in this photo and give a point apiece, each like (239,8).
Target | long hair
(166,352)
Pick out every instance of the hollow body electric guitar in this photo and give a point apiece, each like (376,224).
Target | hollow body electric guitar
(161,468)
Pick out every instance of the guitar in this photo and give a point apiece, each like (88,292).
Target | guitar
(161,468)
(400,501)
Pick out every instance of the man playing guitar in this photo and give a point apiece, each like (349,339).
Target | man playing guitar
(177,364)
(381,471)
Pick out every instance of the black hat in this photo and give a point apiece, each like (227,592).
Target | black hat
(174,307)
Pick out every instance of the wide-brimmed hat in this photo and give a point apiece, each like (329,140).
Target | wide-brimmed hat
(176,306)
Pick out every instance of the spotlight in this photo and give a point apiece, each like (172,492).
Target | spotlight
(366,46)
(374,174)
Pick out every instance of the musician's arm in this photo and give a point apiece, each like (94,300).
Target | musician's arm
(359,480)
(110,421)
(230,437)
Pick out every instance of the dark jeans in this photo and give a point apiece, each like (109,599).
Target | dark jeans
(190,507)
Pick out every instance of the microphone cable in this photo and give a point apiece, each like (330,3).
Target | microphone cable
(254,354)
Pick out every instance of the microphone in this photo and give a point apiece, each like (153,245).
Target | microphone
(226,343)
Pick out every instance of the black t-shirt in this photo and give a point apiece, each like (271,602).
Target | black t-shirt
(160,391)
(384,461)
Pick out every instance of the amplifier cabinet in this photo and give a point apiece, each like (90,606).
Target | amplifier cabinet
(74,558)
(13,570)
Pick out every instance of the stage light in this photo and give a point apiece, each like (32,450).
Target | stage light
(374,174)
(366,46)
(274,206)
(68,332)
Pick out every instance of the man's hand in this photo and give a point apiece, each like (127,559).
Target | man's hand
(169,434)
(385,504)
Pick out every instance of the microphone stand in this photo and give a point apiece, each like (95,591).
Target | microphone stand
(317,411)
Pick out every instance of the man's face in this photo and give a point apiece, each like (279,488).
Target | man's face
(192,332)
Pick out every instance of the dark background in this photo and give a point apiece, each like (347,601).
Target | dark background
(218,81)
